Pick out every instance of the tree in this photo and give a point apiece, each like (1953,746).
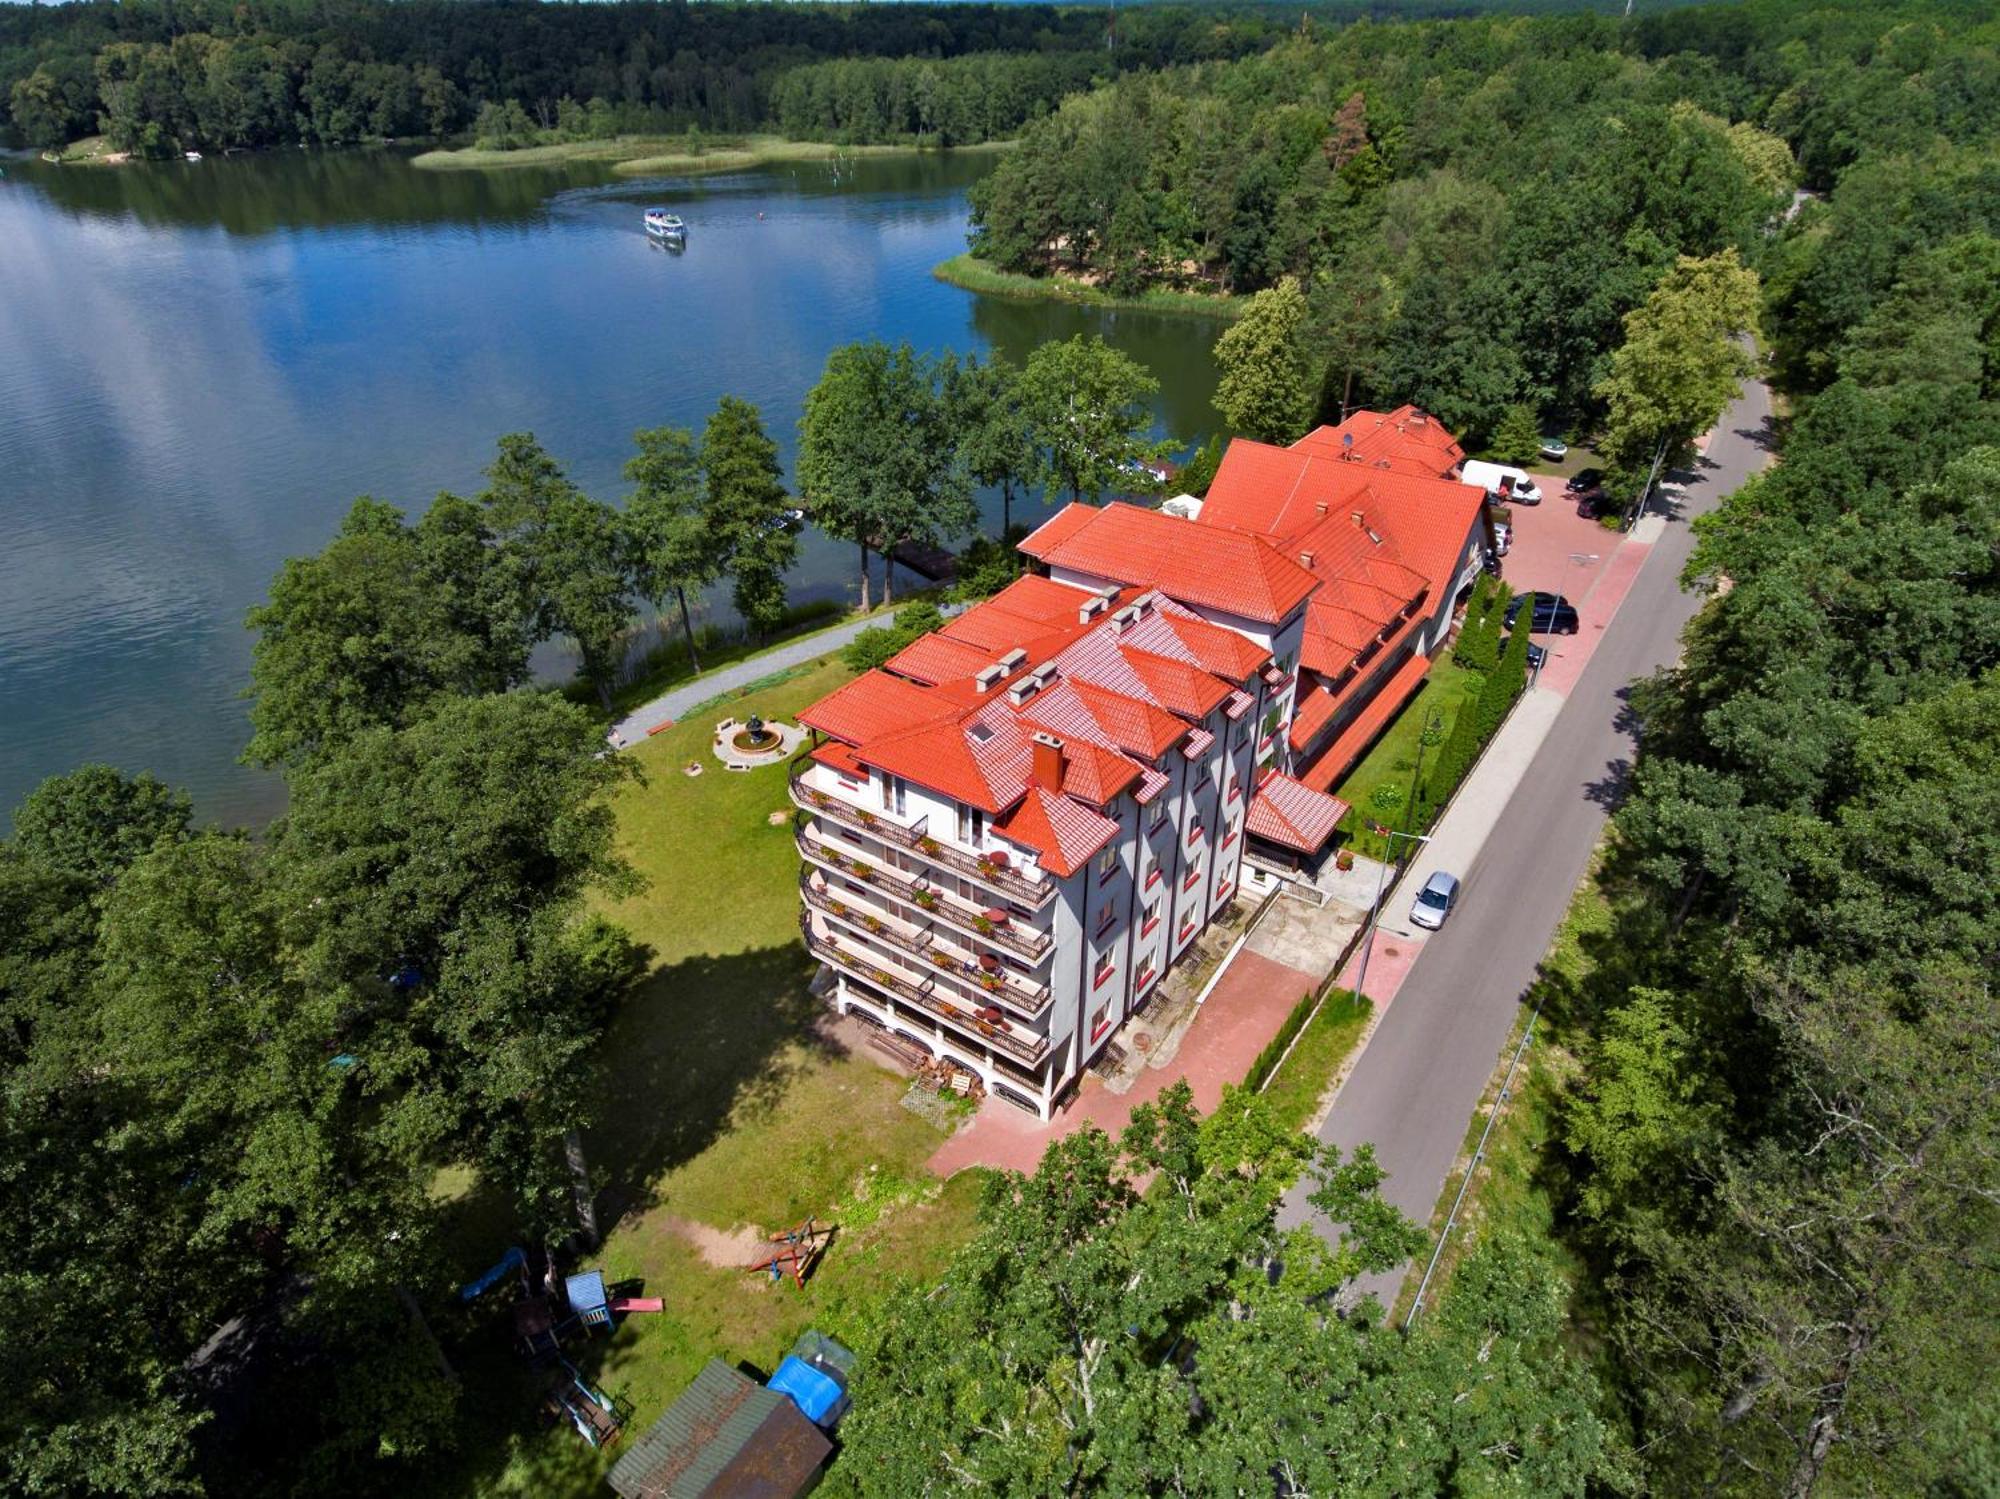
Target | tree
(995,434)
(673,549)
(1085,403)
(1682,361)
(1271,377)
(1517,439)
(1096,1339)
(568,553)
(878,451)
(436,877)
(747,510)
(380,623)
(92,823)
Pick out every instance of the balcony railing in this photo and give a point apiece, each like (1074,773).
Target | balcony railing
(924,996)
(1023,996)
(1033,894)
(1023,942)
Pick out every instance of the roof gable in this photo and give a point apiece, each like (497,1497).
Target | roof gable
(1230,571)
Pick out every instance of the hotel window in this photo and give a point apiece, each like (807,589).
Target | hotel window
(1102,972)
(1230,836)
(1107,863)
(1104,919)
(1195,830)
(1193,875)
(1100,1022)
(895,794)
(1150,918)
(971,825)
(1159,814)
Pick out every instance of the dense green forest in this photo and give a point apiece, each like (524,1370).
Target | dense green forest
(155,75)
(1473,206)
(235,1066)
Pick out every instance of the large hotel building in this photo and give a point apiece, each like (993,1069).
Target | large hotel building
(1016,827)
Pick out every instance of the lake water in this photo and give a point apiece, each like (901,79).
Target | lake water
(202,364)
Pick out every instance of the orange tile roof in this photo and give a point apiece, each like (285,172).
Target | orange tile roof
(1211,568)
(1095,774)
(1288,812)
(1175,685)
(1074,707)
(1064,835)
(1340,756)
(935,658)
(1406,439)
(874,705)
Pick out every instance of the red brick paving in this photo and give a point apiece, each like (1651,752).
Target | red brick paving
(1569,654)
(1544,537)
(1240,1015)
(1389,963)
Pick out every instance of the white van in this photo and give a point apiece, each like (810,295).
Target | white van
(1502,481)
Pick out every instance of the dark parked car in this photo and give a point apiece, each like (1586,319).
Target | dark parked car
(1554,614)
(1536,656)
(1584,480)
(1594,503)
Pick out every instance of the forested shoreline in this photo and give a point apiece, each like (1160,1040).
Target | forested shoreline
(157,77)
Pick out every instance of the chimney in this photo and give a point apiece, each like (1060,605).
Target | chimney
(1048,768)
(1360,520)
(1013,659)
(989,676)
(1319,507)
(1306,560)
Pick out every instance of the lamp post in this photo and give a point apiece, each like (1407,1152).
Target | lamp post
(1375,915)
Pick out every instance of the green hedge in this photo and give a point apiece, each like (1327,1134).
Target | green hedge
(1479,719)
(1267,1059)
(1478,645)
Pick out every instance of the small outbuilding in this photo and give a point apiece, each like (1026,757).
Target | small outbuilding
(726,1437)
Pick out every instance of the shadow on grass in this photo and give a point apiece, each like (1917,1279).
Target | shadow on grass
(693,1043)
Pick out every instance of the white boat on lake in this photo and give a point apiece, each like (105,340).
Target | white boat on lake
(663,225)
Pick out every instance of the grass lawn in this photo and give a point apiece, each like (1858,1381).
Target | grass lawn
(974,274)
(1323,1046)
(1392,762)
(721,1107)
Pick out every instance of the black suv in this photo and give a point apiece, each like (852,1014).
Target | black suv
(1554,614)
(1592,504)
(1584,480)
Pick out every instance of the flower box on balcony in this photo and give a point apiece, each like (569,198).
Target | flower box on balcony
(926,899)
(982,925)
(819,798)
(991,982)
(944,960)
(990,1014)
(929,846)
(838,907)
(873,923)
(866,819)
(987,867)
(861,871)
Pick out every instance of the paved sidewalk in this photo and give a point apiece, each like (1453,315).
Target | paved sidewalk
(668,707)
(1241,1014)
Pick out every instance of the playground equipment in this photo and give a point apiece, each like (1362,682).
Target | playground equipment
(513,1259)
(588,1301)
(638,1304)
(593,1413)
(798,1251)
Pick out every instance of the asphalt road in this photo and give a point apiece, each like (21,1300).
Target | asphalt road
(1413,1091)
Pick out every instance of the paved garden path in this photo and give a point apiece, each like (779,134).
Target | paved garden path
(670,706)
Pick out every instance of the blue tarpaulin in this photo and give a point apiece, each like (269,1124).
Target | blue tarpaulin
(813,1392)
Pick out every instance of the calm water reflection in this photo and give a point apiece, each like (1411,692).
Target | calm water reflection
(201,366)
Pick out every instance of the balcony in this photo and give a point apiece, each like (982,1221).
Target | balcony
(1029,1050)
(1023,996)
(1034,894)
(969,921)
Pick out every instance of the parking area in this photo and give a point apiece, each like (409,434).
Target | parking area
(1547,536)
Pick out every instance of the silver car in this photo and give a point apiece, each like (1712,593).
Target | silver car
(1434,901)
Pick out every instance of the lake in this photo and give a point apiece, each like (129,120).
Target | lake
(201,365)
